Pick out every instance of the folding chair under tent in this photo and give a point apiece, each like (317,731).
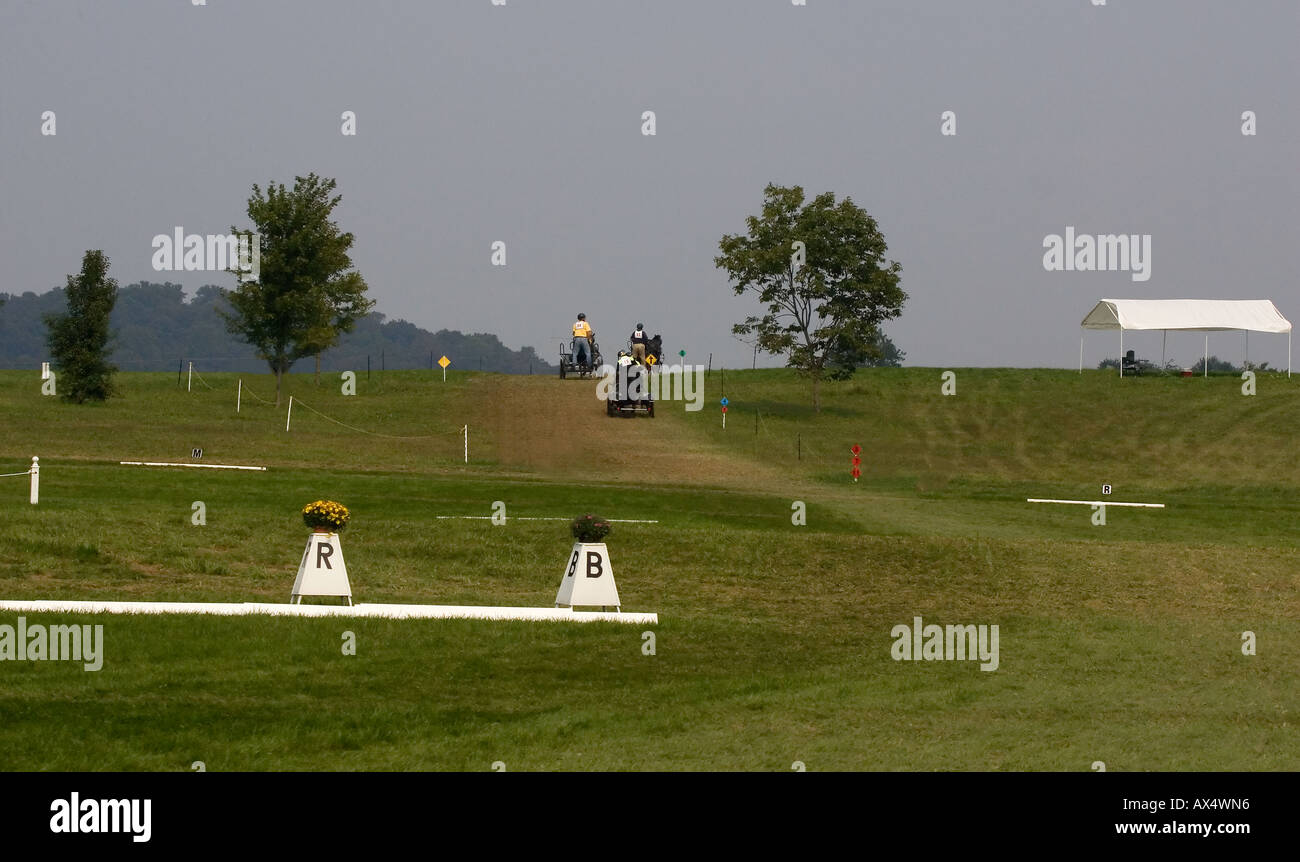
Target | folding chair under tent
(1201,315)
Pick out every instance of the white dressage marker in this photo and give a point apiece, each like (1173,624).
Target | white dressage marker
(1099,503)
(399,612)
(208,466)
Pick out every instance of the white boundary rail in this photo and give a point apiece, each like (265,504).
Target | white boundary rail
(1099,503)
(515,518)
(401,612)
(206,466)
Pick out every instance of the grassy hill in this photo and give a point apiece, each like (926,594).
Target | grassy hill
(1119,643)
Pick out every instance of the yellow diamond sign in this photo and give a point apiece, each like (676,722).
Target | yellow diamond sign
(444,362)
(650,359)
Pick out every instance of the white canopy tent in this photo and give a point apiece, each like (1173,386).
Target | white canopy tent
(1203,315)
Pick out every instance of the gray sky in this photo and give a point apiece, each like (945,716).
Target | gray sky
(522,123)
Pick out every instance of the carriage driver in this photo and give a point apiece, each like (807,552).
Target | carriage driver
(582,336)
(639,341)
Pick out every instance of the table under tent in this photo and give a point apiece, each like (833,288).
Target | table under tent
(1200,315)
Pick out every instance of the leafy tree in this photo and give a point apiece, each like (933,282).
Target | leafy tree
(1216,365)
(824,313)
(887,354)
(78,338)
(306,294)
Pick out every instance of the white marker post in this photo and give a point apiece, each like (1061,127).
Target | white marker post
(189,380)
(322,571)
(588,578)
(466,444)
(45,371)
(288,415)
(239,394)
(36,480)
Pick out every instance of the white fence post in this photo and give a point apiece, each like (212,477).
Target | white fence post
(189,380)
(466,444)
(239,396)
(289,415)
(36,480)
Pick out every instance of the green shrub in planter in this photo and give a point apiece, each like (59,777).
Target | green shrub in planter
(589,528)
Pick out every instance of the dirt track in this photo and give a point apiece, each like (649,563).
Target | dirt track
(560,429)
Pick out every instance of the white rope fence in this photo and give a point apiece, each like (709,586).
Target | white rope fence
(245,390)
(242,390)
(35,472)
(201,380)
(295,401)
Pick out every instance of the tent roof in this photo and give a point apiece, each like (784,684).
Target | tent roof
(1260,315)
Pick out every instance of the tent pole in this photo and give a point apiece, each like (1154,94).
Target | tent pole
(1081,333)
(1207,356)
(1288,354)
(1164,338)
(1121,350)
(1246,361)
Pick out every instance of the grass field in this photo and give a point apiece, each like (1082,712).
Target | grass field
(1119,643)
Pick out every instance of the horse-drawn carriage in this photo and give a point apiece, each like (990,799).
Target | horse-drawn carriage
(631,393)
(580,360)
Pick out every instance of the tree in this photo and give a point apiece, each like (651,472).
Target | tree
(888,355)
(306,293)
(78,338)
(821,272)
(1216,365)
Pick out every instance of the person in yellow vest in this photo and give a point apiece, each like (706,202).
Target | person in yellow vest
(582,337)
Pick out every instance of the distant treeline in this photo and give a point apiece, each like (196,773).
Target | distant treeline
(1217,366)
(155,327)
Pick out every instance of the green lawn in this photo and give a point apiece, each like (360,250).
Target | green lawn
(1119,643)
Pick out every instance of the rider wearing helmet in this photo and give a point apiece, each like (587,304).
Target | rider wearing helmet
(582,340)
(639,341)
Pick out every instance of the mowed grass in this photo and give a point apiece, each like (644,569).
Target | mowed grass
(1118,643)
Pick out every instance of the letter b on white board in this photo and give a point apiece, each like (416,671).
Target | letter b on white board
(588,578)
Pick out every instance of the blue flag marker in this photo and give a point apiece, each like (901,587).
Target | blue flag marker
(724,402)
